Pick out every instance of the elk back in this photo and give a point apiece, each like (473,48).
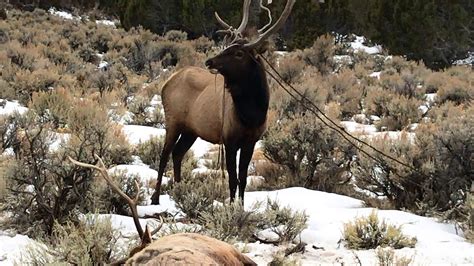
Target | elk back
(189,249)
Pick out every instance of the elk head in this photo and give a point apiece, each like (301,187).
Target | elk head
(235,59)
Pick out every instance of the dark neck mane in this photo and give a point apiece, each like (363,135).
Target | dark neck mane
(250,95)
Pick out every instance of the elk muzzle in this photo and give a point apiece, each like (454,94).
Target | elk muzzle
(211,66)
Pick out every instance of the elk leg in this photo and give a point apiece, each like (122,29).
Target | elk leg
(170,140)
(182,146)
(230,160)
(246,153)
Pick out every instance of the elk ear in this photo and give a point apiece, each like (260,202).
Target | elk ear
(263,48)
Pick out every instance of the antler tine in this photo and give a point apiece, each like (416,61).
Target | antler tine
(103,171)
(269,13)
(222,22)
(245,16)
(157,229)
(278,24)
(235,33)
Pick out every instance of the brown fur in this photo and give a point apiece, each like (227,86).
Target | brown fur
(189,249)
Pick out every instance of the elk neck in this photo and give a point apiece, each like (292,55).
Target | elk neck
(250,95)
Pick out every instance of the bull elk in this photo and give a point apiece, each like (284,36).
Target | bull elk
(182,249)
(195,104)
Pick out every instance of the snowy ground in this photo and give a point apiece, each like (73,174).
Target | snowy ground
(438,243)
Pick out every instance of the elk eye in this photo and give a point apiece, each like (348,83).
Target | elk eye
(239,53)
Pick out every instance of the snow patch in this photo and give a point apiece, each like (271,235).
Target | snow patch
(358,45)
(438,243)
(11,107)
(63,14)
(59,139)
(201,147)
(166,205)
(375,74)
(139,134)
(431,97)
(143,172)
(12,247)
(469,60)
(106,22)
(354,127)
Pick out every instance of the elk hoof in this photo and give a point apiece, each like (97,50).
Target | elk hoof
(155,199)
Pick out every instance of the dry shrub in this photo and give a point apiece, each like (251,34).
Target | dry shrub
(91,241)
(342,82)
(377,101)
(333,110)
(230,222)
(4,162)
(176,36)
(291,68)
(89,123)
(434,82)
(392,82)
(396,111)
(53,106)
(400,113)
(21,56)
(345,90)
(440,176)
(100,39)
(150,151)
(457,91)
(447,146)
(308,149)
(101,198)
(469,230)
(202,44)
(281,259)
(26,83)
(283,221)
(7,132)
(382,178)
(143,113)
(104,80)
(144,56)
(369,233)
(44,188)
(196,195)
(387,257)
(313,87)
(273,173)
(462,72)
(7,92)
(397,63)
(321,54)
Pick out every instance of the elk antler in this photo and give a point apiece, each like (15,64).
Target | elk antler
(269,13)
(131,202)
(243,23)
(236,34)
(278,24)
